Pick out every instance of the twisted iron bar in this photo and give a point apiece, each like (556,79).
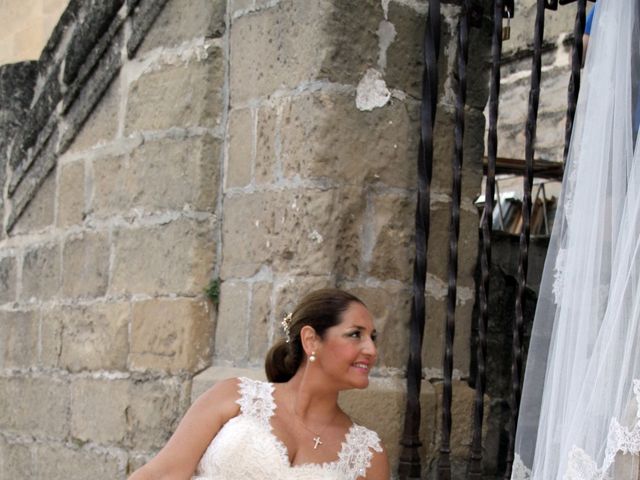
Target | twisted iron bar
(409,464)
(444,461)
(574,80)
(475,464)
(518,326)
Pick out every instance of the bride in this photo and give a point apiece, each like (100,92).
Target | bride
(292,428)
(580,410)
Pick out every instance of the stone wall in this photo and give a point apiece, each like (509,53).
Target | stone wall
(261,147)
(103,320)
(516,82)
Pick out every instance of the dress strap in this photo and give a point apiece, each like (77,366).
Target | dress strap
(256,399)
(357,451)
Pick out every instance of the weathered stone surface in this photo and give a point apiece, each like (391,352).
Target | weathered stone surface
(392,242)
(404,56)
(376,147)
(318,40)
(170,335)
(15,460)
(50,337)
(260,321)
(231,330)
(110,398)
(39,212)
(173,258)
(85,265)
(266,167)
(34,406)
(207,379)
(240,163)
(71,194)
(288,294)
(102,124)
(275,48)
(8,269)
(169,174)
(315,232)
(58,461)
(154,411)
(93,337)
(433,346)
(41,272)
(186,95)
(381,405)
(18,339)
(182,20)
(391,310)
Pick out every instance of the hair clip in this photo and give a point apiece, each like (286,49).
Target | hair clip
(286,326)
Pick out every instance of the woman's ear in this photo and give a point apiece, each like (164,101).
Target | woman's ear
(310,340)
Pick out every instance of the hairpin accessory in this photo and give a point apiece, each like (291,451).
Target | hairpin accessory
(286,326)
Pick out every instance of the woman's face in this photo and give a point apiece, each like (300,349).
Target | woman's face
(348,350)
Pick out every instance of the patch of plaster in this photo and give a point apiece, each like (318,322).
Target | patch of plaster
(372,91)
(385,8)
(386,34)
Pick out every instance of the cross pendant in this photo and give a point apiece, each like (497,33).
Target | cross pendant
(316,442)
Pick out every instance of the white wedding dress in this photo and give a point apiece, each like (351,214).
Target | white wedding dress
(580,411)
(246,448)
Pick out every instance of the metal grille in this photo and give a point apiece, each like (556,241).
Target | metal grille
(410,461)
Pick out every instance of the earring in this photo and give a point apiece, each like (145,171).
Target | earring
(312,357)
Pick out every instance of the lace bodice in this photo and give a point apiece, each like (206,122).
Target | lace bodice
(246,447)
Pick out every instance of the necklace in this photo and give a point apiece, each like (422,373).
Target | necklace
(317,440)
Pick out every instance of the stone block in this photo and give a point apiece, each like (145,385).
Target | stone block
(60,461)
(71,194)
(231,330)
(404,55)
(8,279)
(288,294)
(241,148)
(41,273)
(183,95)
(183,20)
(15,460)
(85,265)
(319,40)
(207,379)
(154,411)
(391,310)
(34,406)
(101,126)
(433,346)
(171,335)
(50,337)
(377,147)
(381,407)
(173,258)
(168,174)
(266,163)
(93,337)
(310,232)
(39,212)
(18,339)
(392,238)
(111,399)
(260,322)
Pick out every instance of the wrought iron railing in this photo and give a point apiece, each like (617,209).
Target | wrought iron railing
(410,462)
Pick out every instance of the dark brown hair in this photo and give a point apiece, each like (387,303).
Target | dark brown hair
(320,309)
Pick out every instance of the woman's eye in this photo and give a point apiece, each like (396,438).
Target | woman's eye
(374,338)
(355,334)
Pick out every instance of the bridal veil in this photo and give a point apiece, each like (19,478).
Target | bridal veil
(580,410)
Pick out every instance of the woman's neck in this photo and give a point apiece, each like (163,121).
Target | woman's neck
(310,396)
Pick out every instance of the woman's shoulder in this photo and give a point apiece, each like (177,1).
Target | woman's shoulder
(366,453)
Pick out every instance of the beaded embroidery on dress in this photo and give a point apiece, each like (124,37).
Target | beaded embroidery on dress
(246,447)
